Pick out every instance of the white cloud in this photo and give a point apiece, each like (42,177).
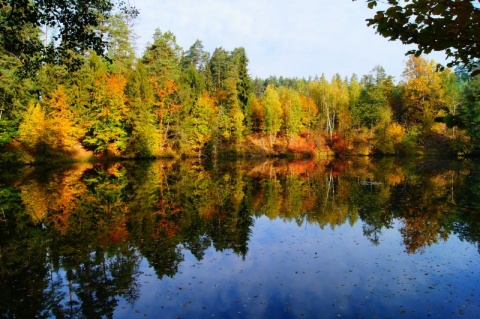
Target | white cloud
(285,38)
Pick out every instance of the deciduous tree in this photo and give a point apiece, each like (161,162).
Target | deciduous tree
(449,26)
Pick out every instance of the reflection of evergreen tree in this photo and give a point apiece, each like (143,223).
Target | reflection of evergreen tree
(23,274)
(371,209)
(23,269)
(467,201)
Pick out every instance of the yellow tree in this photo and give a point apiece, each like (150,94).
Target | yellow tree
(198,126)
(166,107)
(340,99)
(423,95)
(61,128)
(272,112)
(291,106)
(257,113)
(309,113)
(33,126)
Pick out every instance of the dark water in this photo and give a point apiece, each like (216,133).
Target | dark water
(356,238)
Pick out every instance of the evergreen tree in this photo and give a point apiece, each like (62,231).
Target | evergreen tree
(469,110)
(144,139)
(120,43)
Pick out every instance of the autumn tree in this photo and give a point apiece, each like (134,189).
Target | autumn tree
(33,126)
(61,126)
(340,103)
(272,109)
(354,91)
(228,81)
(162,63)
(292,111)
(332,102)
(105,131)
(423,97)
(309,113)
(254,115)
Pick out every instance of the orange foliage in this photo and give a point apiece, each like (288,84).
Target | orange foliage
(419,232)
(118,233)
(116,86)
(301,145)
(301,168)
(164,94)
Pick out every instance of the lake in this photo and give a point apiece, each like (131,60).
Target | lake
(344,238)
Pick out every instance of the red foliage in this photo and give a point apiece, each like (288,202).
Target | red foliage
(338,144)
(301,145)
(301,168)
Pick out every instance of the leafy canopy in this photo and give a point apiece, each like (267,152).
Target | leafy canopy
(69,28)
(452,26)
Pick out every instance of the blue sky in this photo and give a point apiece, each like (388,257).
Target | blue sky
(295,38)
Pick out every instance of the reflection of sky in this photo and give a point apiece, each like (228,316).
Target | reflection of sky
(307,272)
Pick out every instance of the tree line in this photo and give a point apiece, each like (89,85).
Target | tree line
(174,102)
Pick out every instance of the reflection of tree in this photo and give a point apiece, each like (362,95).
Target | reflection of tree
(372,209)
(71,242)
(23,272)
(423,203)
(467,205)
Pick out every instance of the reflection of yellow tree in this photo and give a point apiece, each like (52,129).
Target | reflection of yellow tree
(35,200)
(421,231)
(293,197)
(425,223)
(272,191)
(54,201)
(70,191)
(332,206)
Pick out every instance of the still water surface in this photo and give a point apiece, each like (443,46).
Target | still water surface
(275,239)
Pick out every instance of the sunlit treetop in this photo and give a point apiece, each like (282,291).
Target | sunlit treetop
(452,26)
(36,31)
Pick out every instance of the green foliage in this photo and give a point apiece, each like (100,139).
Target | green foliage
(120,42)
(198,126)
(144,135)
(373,98)
(452,27)
(75,23)
(195,57)
(292,110)
(162,57)
(469,110)
(106,132)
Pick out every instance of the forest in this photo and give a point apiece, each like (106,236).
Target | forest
(173,102)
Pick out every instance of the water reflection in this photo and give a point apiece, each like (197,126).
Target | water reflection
(74,240)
